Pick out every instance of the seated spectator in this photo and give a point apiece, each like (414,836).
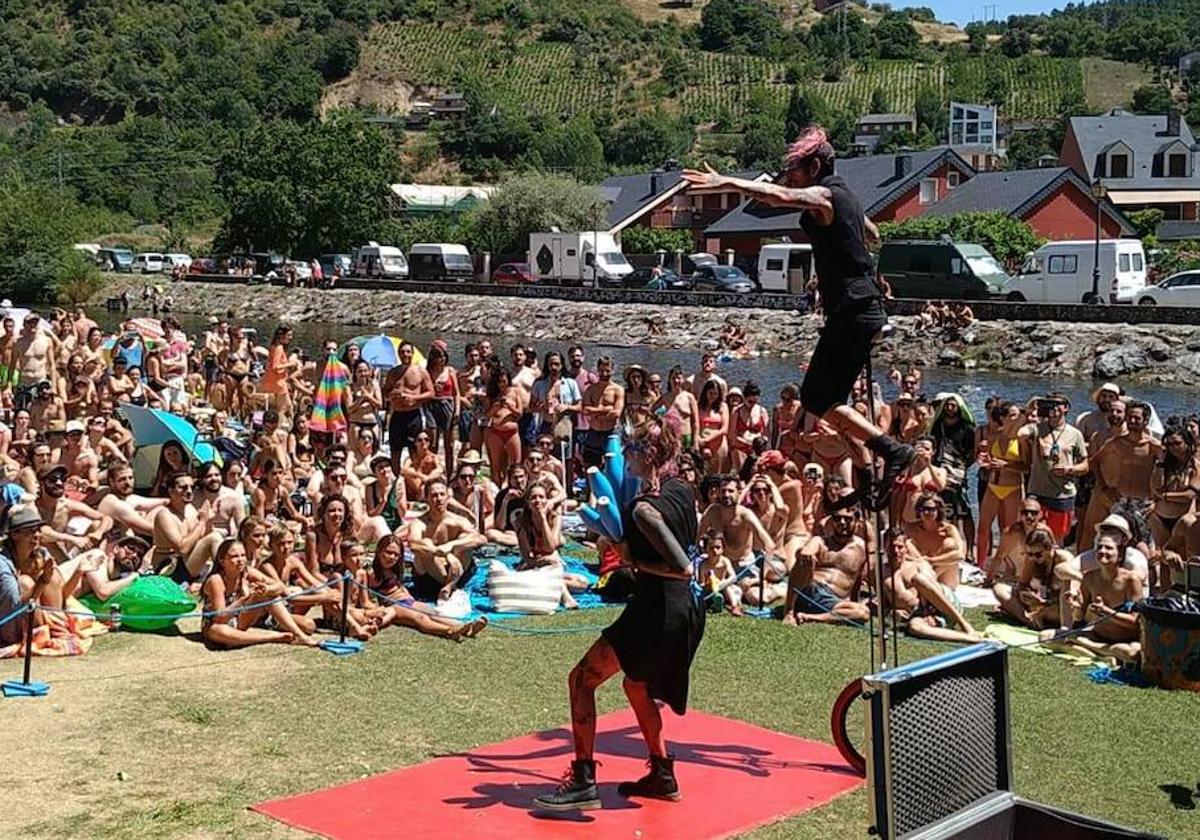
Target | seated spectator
(420,466)
(825,579)
(716,574)
(126,508)
(1106,602)
(443,546)
(271,500)
(471,496)
(929,608)
(539,537)
(1129,557)
(232,591)
(509,500)
(936,541)
(385,496)
(387,579)
(71,527)
(180,531)
(1038,597)
(1006,562)
(113,566)
(38,577)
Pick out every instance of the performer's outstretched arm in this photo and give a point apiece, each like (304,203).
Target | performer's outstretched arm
(652,524)
(816,199)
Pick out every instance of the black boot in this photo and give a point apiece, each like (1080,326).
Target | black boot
(896,458)
(576,793)
(659,783)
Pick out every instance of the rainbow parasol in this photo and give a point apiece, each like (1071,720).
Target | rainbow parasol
(328,414)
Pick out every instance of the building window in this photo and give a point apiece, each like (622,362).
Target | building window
(1177,166)
(951,180)
(1063,264)
(928,192)
(1118,166)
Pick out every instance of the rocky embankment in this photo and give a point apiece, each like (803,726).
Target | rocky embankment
(1153,353)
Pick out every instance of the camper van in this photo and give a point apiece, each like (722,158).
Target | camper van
(941,270)
(1061,272)
(576,259)
(440,261)
(784,268)
(375,260)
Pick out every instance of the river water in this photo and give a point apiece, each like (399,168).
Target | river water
(771,373)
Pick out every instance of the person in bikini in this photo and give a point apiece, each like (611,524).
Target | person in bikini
(1174,482)
(1002,458)
(1038,597)
(501,436)
(750,422)
(386,580)
(230,594)
(919,478)
(797,527)
(714,427)
(682,401)
(443,407)
(539,537)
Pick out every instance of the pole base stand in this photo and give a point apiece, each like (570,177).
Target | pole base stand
(16,688)
(346,648)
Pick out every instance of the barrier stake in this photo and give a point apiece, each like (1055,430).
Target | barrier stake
(343,646)
(26,688)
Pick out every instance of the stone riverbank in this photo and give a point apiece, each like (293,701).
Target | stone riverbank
(1166,354)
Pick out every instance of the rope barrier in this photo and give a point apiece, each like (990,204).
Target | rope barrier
(228,611)
(15,614)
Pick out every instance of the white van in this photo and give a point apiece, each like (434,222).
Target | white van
(149,263)
(574,259)
(181,261)
(441,261)
(375,260)
(1061,272)
(784,268)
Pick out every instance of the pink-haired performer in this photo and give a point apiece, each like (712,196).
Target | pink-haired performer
(654,640)
(850,294)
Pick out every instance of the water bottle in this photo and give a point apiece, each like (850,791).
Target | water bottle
(114,617)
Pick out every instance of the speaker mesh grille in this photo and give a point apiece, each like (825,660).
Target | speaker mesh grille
(948,737)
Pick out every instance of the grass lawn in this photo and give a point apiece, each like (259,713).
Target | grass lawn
(151,736)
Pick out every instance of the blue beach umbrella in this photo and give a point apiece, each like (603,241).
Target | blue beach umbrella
(152,427)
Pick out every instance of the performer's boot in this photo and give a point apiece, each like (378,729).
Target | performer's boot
(659,783)
(576,793)
(896,458)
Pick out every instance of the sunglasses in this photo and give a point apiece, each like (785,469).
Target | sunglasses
(1028,512)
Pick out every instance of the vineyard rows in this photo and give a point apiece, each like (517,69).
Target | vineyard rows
(554,79)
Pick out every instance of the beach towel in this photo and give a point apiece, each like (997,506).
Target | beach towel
(1024,638)
(72,638)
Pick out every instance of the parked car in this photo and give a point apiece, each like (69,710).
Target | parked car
(722,278)
(1182,289)
(331,261)
(512,274)
(375,260)
(941,270)
(1062,272)
(643,278)
(204,265)
(170,261)
(302,269)
(440,261)
(149,263)
(115,259)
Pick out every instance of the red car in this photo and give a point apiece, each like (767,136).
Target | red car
(512,274)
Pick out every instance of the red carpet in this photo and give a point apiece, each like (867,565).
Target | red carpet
(733,776)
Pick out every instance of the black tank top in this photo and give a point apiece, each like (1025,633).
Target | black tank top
(677,504)
(845,271)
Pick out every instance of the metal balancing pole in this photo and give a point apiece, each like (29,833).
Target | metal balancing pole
(879,644)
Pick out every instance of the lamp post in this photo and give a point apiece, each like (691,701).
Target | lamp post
(1098,193)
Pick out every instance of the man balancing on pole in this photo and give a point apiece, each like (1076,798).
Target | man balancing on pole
(850,295)
(654,639)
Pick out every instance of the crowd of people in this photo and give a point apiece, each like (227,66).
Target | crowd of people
(1076,521)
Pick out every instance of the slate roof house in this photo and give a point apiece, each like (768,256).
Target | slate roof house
(1143,160)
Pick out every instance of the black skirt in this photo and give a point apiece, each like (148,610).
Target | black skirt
(657,635)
